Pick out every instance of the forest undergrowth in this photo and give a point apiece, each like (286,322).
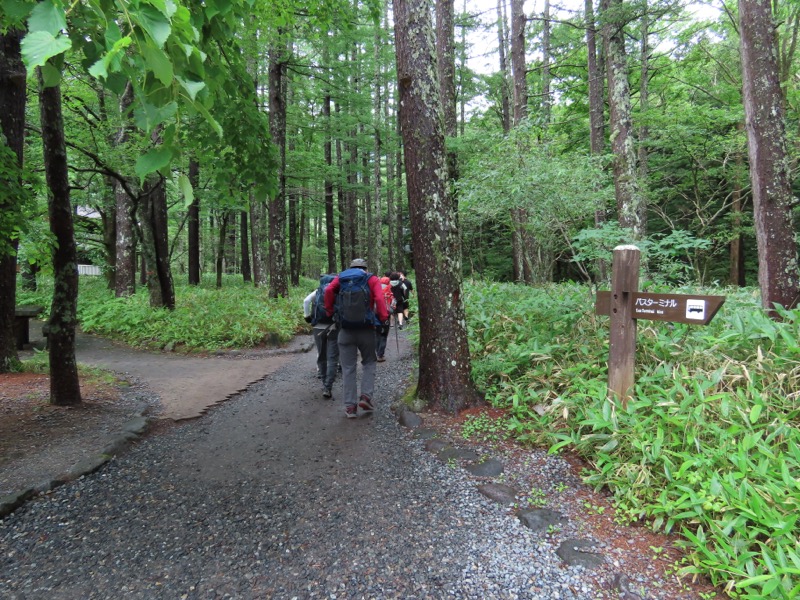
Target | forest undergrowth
(708,446)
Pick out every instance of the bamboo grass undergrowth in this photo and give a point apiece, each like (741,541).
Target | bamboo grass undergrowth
(205,318)
(708,446)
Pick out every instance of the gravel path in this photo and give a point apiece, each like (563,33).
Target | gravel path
(275,494)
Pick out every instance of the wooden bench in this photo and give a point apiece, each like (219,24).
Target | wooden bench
(22,317)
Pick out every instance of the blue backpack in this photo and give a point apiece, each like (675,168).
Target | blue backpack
(319,316)
(354,301)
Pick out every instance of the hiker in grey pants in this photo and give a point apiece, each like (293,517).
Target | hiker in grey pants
(357,298)
(351,343)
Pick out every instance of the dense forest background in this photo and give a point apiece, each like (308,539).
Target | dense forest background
(535,192)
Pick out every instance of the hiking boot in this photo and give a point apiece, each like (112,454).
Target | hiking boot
(326,392)
(381,359)
(365,404)
(350,411)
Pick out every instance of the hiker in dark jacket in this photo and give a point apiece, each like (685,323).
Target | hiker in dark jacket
(325,335)
(408,289)
(355,300)
(399,299)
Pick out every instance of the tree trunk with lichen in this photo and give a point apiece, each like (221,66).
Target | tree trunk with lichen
(64,383)
(770,171)
(444,363)
(631,206)
(278,270)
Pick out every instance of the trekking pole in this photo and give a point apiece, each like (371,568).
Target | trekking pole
(397,338)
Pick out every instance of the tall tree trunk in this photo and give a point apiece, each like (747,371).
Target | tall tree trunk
(64,383)
(644,91)
(596,142)
(546,102)
(400,265)
(378,220)
(294,226)
(446,62)
(247,275)
(155,245)
(223,233)
(770,176)
(330,222)
(368,232)
(444,363)
(125,261)
(505,108)
(13,89)
(351,197)
(278,283)
(194,224)
(519,67)
(631,208)
(737,251)
(596,127)
(341,201)
(257,227)
(231,256)
(737,274)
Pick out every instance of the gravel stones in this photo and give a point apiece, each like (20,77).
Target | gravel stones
(275,494)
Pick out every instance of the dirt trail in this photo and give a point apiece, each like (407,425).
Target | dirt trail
(186,385)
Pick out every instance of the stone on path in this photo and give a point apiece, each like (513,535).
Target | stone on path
(580,553)
(540,519)
(499,492)
(487,468)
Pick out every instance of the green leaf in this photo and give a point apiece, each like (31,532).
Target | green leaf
(39,46)
(191,87)
(186,189)
(211,120)
(755,412)
(14,12)
(155,159)
(147,116)
(51,75)
(155,24)
(158,62)
(100,69)
(46,17)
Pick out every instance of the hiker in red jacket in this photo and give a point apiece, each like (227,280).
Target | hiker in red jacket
(355,300)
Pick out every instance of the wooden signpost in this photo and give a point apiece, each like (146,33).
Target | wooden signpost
(625,304)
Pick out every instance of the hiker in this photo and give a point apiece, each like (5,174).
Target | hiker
(355,300)
(399,298)
(326,335)
(408,289)
(382,334)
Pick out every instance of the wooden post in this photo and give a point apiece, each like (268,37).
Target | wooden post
(622,343)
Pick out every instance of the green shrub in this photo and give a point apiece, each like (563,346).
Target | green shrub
(205,318)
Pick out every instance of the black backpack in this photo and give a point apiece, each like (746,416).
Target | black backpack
(354,301)
(318,314)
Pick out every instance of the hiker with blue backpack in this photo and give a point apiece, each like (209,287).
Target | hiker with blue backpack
(355,301)
(325,335)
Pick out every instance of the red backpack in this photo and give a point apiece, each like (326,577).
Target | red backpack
(388,295)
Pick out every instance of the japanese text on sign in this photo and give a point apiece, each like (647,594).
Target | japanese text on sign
(659,302)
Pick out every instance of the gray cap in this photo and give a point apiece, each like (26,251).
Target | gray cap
(359,263)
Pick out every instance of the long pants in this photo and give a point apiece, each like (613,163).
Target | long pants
(326,341)
(351,343)
(380,342)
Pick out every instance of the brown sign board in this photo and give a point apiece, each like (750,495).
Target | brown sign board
(676,308)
